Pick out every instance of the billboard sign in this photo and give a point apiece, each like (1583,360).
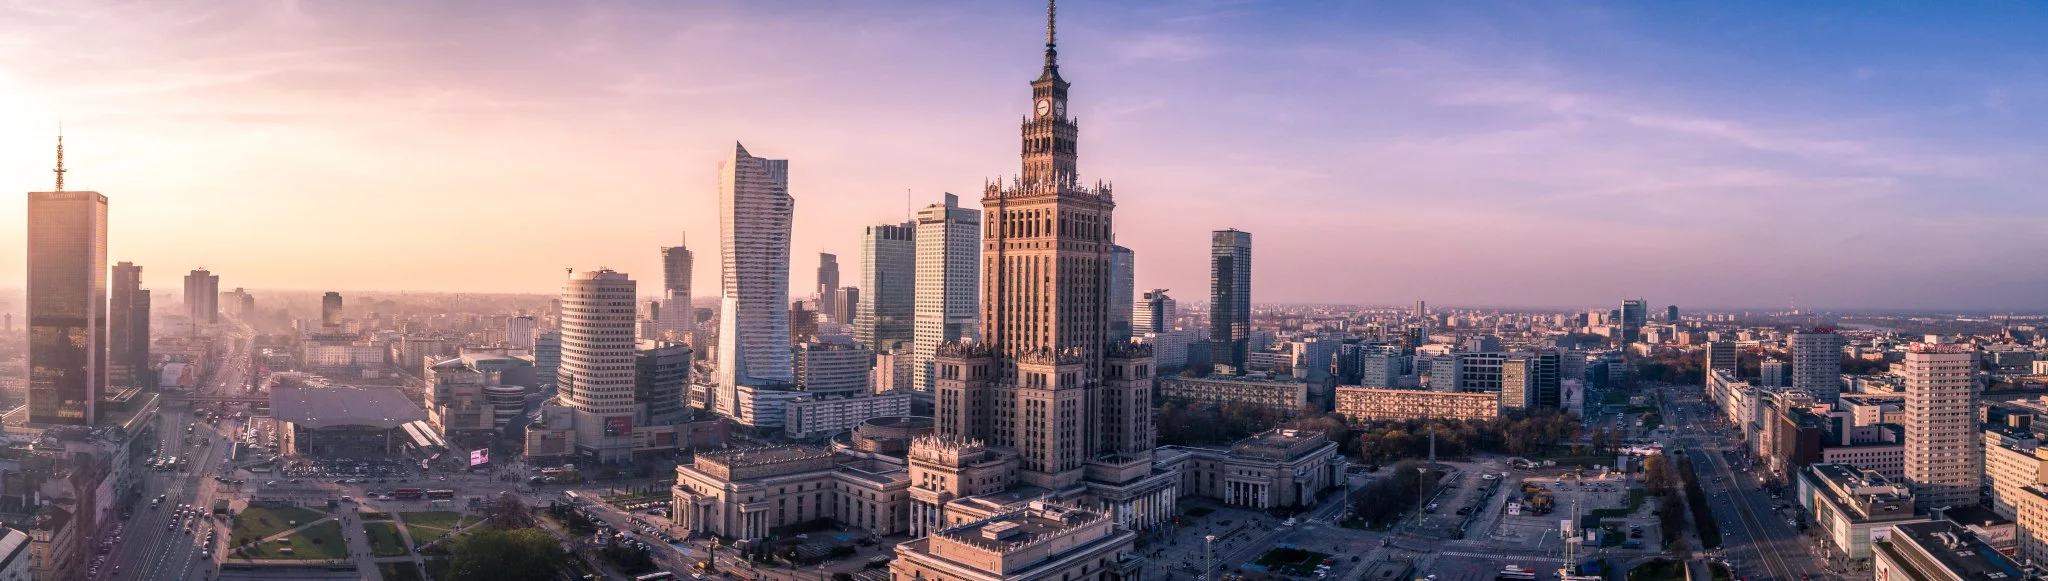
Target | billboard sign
(618,426)
(479,457)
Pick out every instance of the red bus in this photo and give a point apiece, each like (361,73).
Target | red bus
(441,494)
(406,494)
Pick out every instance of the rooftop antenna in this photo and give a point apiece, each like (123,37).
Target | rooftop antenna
(60,157)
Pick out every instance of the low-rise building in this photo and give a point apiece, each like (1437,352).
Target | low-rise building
(2012,460)
(1278,468)
(1284,396)
(1045,541)
(749,493)
(1998,531)
(1938,551)
(819,415)
(348,421)
(15,560)
(1880,448)
(1848,504)
(1360,404)
(1868,409)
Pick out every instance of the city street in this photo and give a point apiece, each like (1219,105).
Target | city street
(1755,539)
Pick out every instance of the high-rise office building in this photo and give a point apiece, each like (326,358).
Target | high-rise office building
(948,279)
(67,304)
(828,283)
(330,310)
(1720,355)
(202,298)
(1671,314)
(1634,314)
(547,356)
(1123,288)
(1546,379)
(1154,313)
(128,329)
(597,375)
(519,332)
(833,369)
(803,323)
(1944,447)
(238,304)
(845,301)
(1230,297)
(661,372)
(888,287)
(1817,363)
(678,319)
(1046,381)
(1774,373)
(755,210)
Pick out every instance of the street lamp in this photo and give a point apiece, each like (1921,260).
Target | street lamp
(1208,555)
(711,556)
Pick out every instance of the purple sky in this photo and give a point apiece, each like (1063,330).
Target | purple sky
(1506,153)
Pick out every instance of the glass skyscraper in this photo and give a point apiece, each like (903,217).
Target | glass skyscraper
(67,306)
(1230,296)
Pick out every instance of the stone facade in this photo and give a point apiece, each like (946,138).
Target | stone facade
(748,493)
(1042,541)
(1274,469)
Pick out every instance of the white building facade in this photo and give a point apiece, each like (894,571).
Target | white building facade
(948,282)
(596,377)
(754,210)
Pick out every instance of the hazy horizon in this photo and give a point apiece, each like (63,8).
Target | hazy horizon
(1843,158)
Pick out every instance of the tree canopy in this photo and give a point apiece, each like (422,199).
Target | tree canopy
(506,555)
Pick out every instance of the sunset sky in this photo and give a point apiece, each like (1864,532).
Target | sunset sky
(1710,154)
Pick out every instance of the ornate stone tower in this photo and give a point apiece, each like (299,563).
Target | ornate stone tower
(1052,397)
(1038,383)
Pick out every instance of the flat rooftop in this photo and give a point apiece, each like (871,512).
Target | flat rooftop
(1967,558)
(1020,527)
(321,407)
(1974,516)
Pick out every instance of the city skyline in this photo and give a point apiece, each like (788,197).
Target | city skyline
(1850,179)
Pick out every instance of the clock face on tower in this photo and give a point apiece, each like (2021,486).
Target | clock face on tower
(1044,106)
(1059,108)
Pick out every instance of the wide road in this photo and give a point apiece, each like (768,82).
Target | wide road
(155,544)
(1754,538)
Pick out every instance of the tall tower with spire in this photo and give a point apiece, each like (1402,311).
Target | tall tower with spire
(1045,380)
(67,303)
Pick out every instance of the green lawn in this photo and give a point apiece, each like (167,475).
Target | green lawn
(372,515)
(321,541)
(405,571)
(437,569)
(262,521)
(384,539)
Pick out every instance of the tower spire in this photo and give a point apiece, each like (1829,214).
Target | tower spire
(1052,54)
(1051,24)
(60,158)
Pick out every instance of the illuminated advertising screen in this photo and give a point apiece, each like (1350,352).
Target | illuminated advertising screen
(617,426)
(479,457)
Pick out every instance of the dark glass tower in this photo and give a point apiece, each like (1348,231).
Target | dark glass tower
(128,329)
(1230,297)
(67,306)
